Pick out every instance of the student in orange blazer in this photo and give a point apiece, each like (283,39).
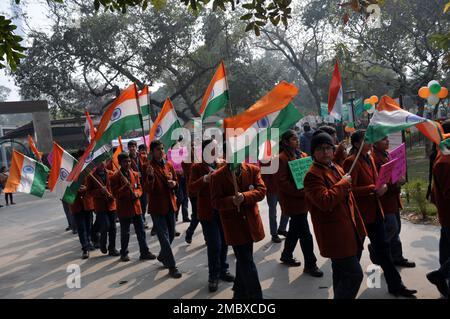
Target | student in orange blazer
(364,178)
(272,200)
(161,184)
(336,220)
(440,196)
(126,188)
(292,202)
(81,210)
(391,204)
(199,184)
(242,226)
(99,186)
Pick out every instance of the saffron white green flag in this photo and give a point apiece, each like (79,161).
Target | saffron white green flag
(166,122)
(62,165)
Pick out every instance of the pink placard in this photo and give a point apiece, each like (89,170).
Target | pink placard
(384,176)
(400,167)
(176,156)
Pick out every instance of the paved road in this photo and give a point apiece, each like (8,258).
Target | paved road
(35,252)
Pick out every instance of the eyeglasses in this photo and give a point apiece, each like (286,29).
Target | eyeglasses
(325,149)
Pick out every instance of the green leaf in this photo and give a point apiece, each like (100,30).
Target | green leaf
(248,6)
(257,32)
(249,26)
(96,5)
(247,16)
(275,20)
(261,23)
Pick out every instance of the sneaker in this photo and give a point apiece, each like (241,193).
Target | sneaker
(113,252)
(124,258)
(228,277)
(276,239)
(85,254)
(213,285)
(174,273)
(147,256)
(313,271)
(291,262)
(282,232)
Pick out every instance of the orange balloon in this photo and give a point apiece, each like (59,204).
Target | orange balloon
(367,101)
(443,93)
(373,99)
(424,92)
(349,129)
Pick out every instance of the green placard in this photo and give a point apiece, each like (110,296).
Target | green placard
(299,168)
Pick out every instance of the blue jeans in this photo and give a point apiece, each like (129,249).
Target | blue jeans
(246,283)
(165,230)
(83,221)
(347,277)
(217,249)
(107,223)
(272,200)
(125,234)
(299,231)
(392,224)
(444,252)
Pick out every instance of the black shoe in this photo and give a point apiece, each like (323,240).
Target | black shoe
(103,250)
(291,262)
(74,232)
(124,258)
(404,292)
(213,285)
(177,234)
(405,263)
(228,277)
(188,238)
(67,228)
(96,245)
(113,252)
(313,271)
(13,203)
(276,239)
(91,248)
(282,232)
(174,273)
(439,281)
(186,220)
(147,256)
(85,254)
(153,232)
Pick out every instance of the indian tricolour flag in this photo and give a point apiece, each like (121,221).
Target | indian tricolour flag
(62,165)
(335,94)
(216,95)
(26,176)
(250,134)
(390,118)
(144,103)
(166,122)
(121,116)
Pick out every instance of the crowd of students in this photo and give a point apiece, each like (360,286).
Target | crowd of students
(345,209)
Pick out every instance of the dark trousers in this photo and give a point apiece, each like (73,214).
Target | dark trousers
(125,234)
(69,216)
(272,200)
(83,221)
(8,196)
(382,252)
(347,277)
(107,222)
(182,198)
(299,231)
(217,248)
(95,230)
(143,200)
(194,220)
(165,230)
(246,283)
(392,225)
(444,252)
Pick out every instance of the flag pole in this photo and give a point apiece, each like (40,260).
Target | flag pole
(99,183)
(139,110)
(357,155)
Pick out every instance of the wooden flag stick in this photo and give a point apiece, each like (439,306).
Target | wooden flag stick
(357,155)
(99,183)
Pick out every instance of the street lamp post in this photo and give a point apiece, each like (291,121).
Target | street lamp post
(351,93)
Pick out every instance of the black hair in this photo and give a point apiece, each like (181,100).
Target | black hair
(328,129)
(356,137)
(154,144)
(132,142)
(306,127)
(284,144)
(122,156)
(142,147)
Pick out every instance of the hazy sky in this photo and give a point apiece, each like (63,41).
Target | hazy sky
(35,11)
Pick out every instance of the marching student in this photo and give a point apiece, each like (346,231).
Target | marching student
(364,178)
(340,152)
(99,186)
(292,202)
(160,184)
(337,223)
(440,196)
(272,201)
(81,210)
(217,248)
(241,221)
(391,204)
(127,190)
(138,161)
